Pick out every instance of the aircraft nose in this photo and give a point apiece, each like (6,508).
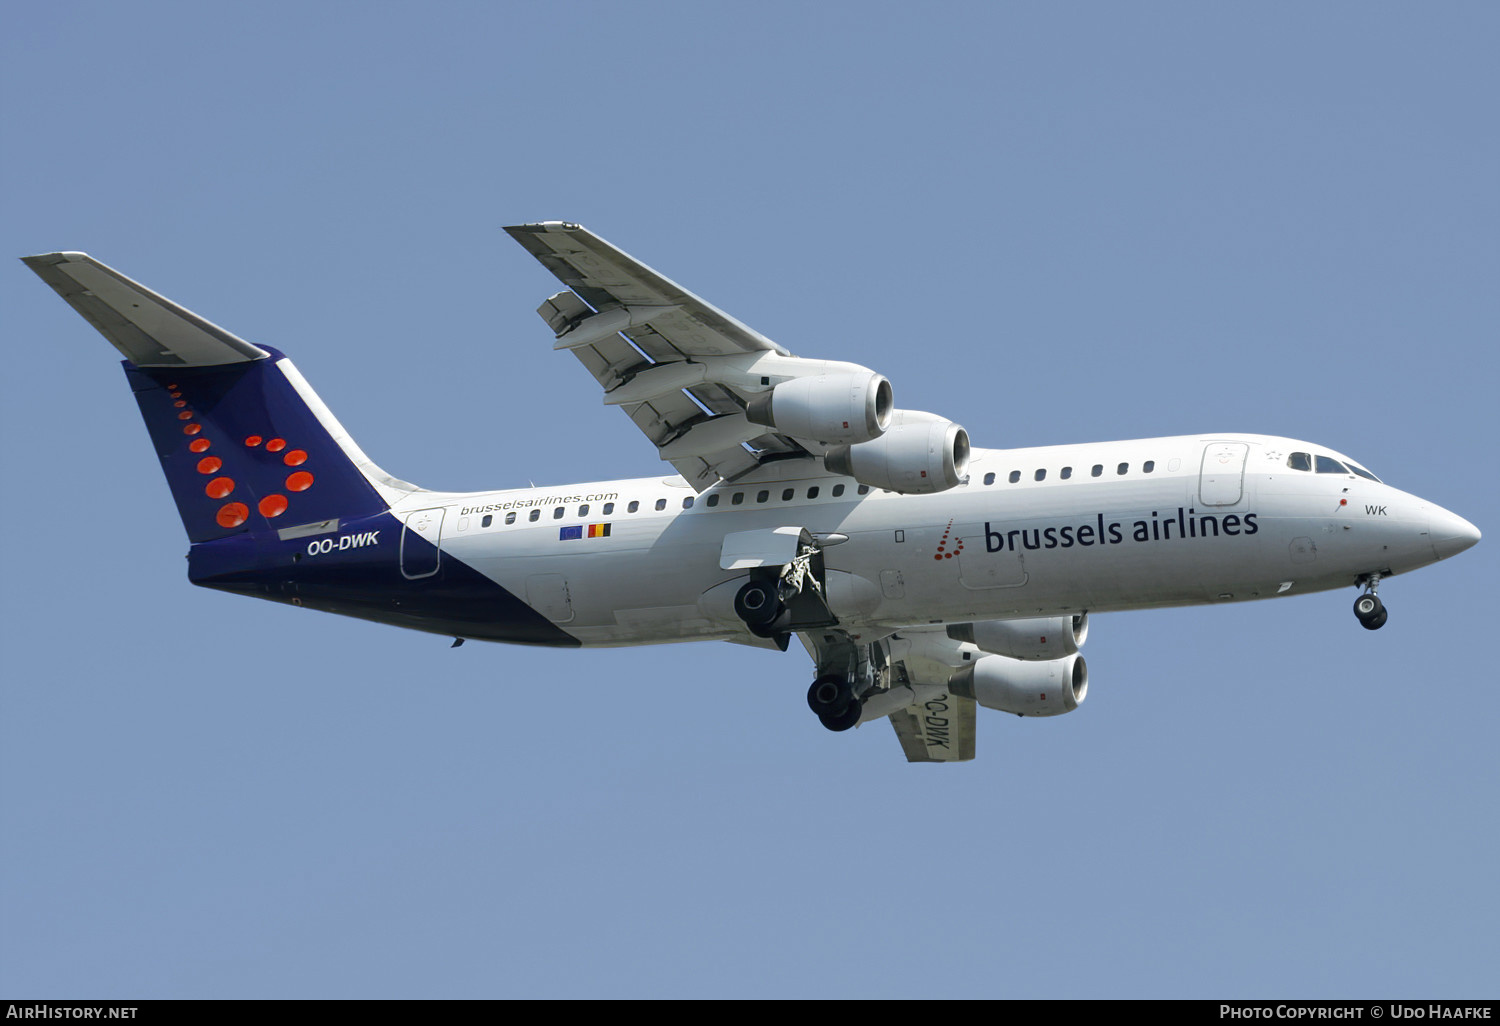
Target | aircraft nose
(1450,533)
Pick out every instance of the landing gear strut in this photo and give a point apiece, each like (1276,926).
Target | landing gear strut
(1368,608)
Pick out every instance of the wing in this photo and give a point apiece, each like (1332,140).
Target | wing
(939,729)
(686,372)
(932,723)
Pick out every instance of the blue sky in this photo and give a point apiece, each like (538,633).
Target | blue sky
(1053,223)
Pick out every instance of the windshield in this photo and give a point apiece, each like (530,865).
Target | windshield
(1328,465)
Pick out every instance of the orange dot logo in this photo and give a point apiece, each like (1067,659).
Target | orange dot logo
(273,506)
(301,481)
(233,514)
(253,441)
(295,458)
(958,544)
(209,465)
(198,445)
(219,487)
(180,403)
(191,429)
(185,415)
(276,445)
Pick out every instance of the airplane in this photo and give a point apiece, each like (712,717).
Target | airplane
(925,578)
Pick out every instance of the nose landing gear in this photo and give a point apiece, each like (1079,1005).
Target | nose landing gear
(1368,609)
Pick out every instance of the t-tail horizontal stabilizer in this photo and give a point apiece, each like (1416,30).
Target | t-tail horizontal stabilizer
(244,441)
(149,330)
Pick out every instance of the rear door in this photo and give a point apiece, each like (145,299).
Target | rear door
(421,540)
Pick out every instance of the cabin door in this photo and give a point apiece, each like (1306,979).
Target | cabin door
(420,540)
(1222,480)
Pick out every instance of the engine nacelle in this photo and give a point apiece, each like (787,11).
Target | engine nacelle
(1042,637)
(919,452)
(839,408)
(1027,689)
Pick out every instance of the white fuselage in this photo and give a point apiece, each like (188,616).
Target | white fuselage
(1215,518)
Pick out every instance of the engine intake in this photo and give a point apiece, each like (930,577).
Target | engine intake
(1027,689)
(829,408)
(919,452)
(1042,637)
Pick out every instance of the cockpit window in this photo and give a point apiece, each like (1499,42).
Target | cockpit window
(1362,472)
(1299,461)
(1329,465)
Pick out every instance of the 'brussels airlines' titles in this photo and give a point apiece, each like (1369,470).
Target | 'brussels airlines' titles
(1188,524)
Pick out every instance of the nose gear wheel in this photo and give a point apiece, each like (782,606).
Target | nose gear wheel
(1368,609)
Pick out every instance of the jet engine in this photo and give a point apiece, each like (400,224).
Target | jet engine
(841,408)
(919,452)
(1048,688)
(1042,637)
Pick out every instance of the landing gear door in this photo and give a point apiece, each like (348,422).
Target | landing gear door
(786,589)
(777,546)
(421,537)
(1222,481)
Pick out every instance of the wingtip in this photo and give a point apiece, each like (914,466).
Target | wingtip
(48,259)
(545,226)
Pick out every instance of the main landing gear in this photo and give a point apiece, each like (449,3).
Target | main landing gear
(832,698)
(759,605)
(1368,608)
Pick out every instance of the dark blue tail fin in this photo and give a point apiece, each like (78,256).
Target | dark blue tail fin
(245,443)
(243,451)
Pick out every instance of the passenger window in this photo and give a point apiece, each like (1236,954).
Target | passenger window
(1299,461)
(812,493)
(1015,476)
(687,503)
(557,513)
(713,500)
(510,518)
(1065,473)
(661,504)
(583,510)
(487,521)
(609,508)
(838,490)
(1122,469)
(863,489)
(1098,469)
(1148,466)
(1041,475)
(1329,465)
(536,515)
(762,495)
(989,478)
(737,498)
(787,493)
(634,505)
